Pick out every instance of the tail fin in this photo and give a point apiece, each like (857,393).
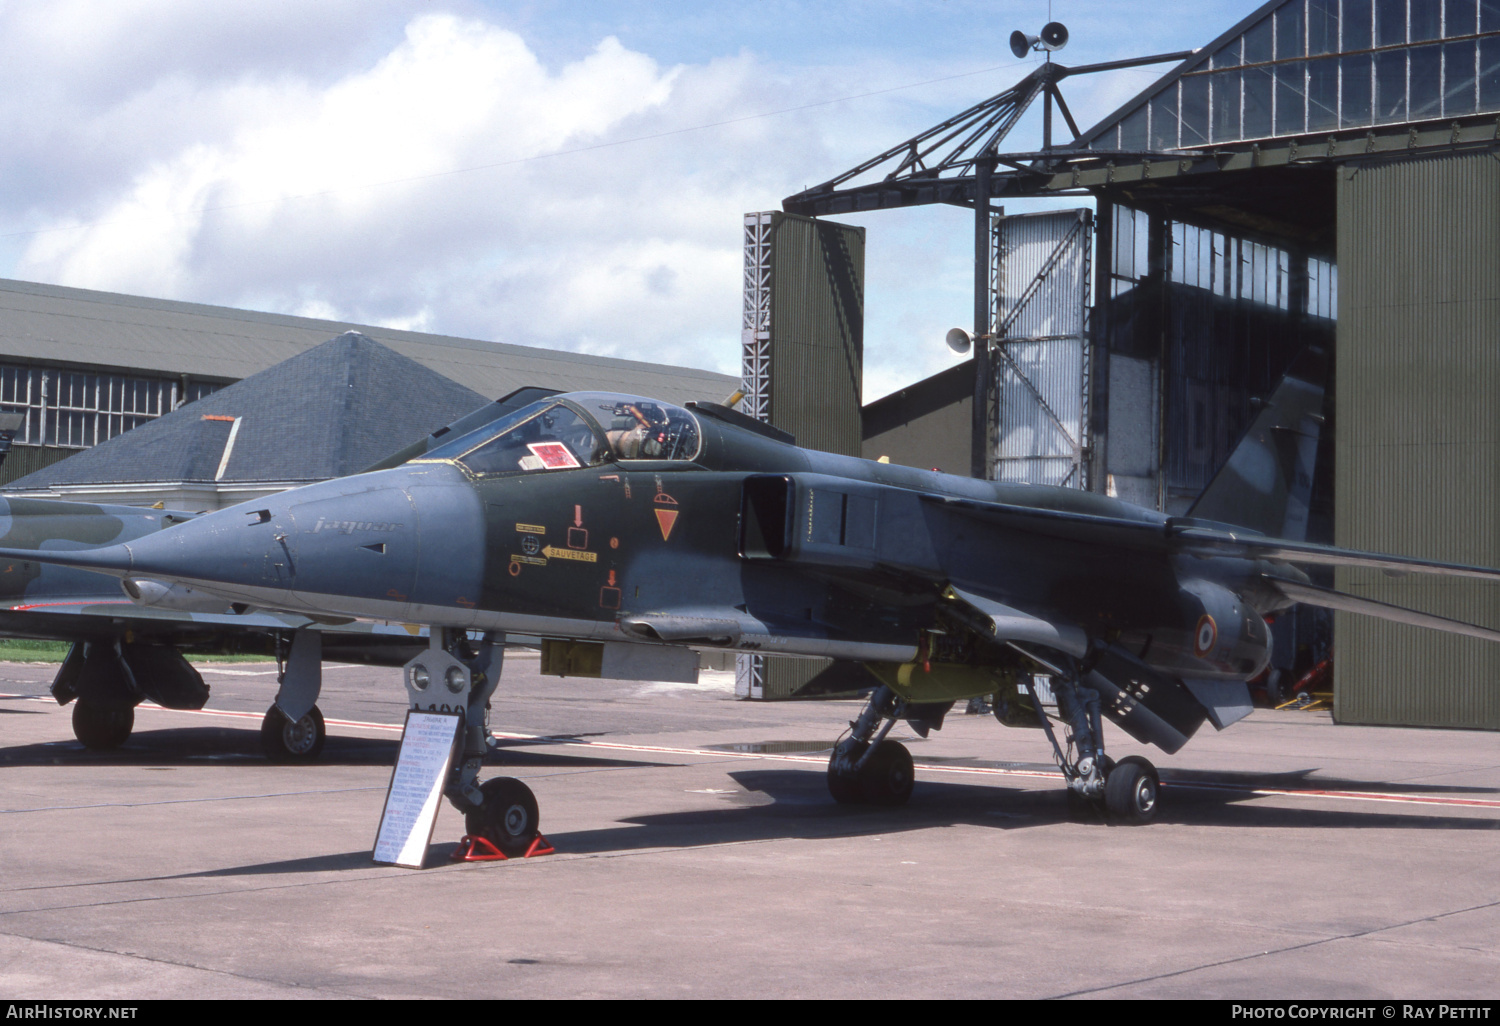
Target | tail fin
(1267,483)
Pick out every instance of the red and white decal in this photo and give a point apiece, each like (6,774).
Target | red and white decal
(1205,635)
(553,454)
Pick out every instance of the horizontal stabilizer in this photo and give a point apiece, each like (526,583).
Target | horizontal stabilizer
(1210,542)
(1330,599)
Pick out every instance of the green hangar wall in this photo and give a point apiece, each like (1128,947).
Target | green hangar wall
(1418,441)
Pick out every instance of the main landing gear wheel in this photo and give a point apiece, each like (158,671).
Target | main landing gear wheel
(508,819)
(886,778)
(102,726)
(1130,790)
(285,741)
(844,786)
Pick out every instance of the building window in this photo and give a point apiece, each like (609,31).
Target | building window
(79,409)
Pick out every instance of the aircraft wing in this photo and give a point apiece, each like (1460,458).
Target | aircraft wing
(14,615)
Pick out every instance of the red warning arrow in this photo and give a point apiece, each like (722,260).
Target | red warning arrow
(577,516)
(666,518)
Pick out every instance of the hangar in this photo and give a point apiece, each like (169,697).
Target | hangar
(83,366)
(1324,172)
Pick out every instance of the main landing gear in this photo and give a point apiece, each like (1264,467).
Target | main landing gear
(286,740)
(1127,789)
(293,729)
(867,769)
(453,676)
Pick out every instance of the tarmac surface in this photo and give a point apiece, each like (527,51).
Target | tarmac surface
(699,855)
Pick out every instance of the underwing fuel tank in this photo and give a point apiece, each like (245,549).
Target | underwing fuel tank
(159,595)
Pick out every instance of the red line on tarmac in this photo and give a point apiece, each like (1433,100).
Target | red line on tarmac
(82,602)
(994,771)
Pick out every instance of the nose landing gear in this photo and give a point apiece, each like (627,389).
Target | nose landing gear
(453,676)
(507,818)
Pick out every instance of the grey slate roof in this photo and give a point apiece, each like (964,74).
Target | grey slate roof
(50,324)
(330,411)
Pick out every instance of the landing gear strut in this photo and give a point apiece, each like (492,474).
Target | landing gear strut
(1127,790)
(865,768)
(454,676)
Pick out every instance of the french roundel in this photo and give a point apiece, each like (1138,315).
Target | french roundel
(1206,634)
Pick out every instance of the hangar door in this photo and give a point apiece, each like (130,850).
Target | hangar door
(1039,303)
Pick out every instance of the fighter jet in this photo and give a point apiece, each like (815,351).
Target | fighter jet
(631,533)
(128,644)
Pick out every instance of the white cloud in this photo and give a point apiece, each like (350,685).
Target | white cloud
(339,197)
(309,159)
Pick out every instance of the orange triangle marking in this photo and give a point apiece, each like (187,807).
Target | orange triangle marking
(666,518)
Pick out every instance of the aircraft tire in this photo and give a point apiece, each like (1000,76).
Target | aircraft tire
(285,741)
(844,787)
(508,819)
(887,778)
(101,726)
(1082,808)
(1132,790)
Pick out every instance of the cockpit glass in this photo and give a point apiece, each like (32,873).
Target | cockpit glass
(642,429)
(546,435)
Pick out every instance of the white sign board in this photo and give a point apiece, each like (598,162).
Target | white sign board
(411,804)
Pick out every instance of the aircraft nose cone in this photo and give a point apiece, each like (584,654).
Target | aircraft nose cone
(354,546)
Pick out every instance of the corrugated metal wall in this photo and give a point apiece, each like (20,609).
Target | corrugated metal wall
(1418,442)
(1040,298)
(817,331)
(816,316)
(24,459)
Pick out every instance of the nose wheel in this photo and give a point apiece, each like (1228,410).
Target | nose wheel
(507,818)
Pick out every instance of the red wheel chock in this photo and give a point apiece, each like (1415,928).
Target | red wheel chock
(478,849)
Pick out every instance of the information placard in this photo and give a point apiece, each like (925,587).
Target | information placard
(411,804)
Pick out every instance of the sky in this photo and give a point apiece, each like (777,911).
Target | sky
(566,174)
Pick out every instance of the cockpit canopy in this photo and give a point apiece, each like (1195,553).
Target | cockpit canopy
(578,429)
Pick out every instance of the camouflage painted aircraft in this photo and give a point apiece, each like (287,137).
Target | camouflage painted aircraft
(128,644)
(629,533)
